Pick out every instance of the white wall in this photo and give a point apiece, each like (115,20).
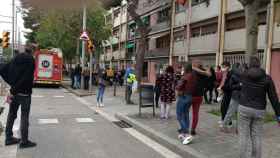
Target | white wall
(233,6)
(204,44)
(202,12)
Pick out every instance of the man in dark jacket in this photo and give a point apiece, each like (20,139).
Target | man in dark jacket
(256,85)
(19,74)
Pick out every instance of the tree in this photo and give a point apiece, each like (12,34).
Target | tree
(252,24)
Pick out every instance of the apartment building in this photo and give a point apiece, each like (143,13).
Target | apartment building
(212,31)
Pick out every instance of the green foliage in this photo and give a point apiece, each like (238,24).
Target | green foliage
(62,28)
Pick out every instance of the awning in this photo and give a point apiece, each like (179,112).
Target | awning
(130,45)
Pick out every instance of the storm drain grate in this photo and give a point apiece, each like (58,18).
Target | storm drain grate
(122,124)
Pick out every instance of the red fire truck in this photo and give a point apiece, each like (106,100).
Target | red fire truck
(48,67)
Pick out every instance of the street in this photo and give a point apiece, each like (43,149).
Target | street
(64,127)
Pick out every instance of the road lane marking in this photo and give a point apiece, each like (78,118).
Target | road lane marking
(84,120)
(37,96)
(48,121)
(58,96)
(165,152)
(151,143)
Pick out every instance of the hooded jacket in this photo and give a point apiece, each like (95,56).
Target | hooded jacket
(256,85)
(19,74)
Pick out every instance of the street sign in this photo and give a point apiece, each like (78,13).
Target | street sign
(84,36)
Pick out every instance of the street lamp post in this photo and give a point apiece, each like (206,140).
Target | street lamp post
(84,42)
(13,27)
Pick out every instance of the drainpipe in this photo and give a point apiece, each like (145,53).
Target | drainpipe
(269,33)
(189,17)
(172,33)
(221,32)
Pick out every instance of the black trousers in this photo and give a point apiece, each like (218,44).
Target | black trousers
(210,91)
(86,79)
(25,103)
(225,104)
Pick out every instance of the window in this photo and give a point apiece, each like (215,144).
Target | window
(196,2)
(163,15)
(163,42)
(145,69)
(209,29)
(180,8)
(235,24)
(195,32)
(179,36)
(115,47)
(146,20)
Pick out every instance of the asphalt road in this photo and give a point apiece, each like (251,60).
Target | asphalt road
(64,127)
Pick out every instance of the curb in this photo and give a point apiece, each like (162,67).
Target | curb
(77,93)
(166,141)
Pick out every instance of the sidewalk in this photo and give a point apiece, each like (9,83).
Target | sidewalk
(78,92)
(209,143)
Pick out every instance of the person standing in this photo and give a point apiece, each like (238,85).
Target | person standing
(167,92)
(219,78)
(224,88)
(185,89)
(201,76)
(157,90)
(234,88)
(77,72)
(72,76)
(86,74)
(131,79)
(19,74)
(210,87)
(101,88)
(256,85)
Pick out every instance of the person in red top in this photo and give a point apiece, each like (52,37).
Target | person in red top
(185,89)
(219,78)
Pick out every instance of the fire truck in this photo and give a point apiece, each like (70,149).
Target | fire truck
(48,67)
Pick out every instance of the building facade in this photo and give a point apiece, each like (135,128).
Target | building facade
(212,31)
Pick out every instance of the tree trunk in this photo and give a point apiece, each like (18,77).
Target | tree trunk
(142,42)
(252,20)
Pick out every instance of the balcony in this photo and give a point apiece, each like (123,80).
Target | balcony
(233,6)
(117,21)
(160,27)
(181,19)
(198,11)
(158,52)
(116,55)
(146,6)
(180,48)
(236,40)
(207,44)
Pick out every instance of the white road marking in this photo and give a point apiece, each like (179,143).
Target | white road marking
(58,96)
(37,96)
(139,136)
(84,120)
(152,144)
(48,121)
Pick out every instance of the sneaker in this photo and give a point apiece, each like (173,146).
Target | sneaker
(181,137)
(98,105)
(28,144)
(101,105)
(12,141)
(187,140)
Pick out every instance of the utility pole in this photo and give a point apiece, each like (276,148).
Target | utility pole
(13,27)
(172,32)
(189,17)
(84,42)
(221,32)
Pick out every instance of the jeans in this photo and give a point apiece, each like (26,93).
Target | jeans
(129,93)
(210,90)
(182,109)
(25,103)
(77,83)
(100,94)
(233,107)
(196,103)
(250,131)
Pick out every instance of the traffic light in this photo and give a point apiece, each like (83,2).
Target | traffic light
(5,39)
(90,46)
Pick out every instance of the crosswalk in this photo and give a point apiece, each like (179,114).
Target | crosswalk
(53,121)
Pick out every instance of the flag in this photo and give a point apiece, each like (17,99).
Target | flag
(182,2)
